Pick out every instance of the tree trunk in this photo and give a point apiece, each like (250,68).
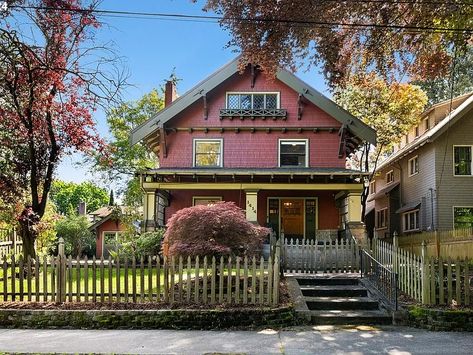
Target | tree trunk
(28,231)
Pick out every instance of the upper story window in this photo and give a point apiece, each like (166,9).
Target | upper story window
(427,124)
(416,131)
(414,166)
(462,160)
(389,177)
(381,218)
(252,101)
(293,153)
(407,138)
(372,187)
(208,153)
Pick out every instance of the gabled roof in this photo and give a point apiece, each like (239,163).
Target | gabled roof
(432,133)
(355,125)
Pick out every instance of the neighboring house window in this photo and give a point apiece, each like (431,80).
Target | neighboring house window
(293,152)
(255,101)
(205,200)
(208,152)
(413,165)
(373,187)
(407,139)
(462,160)
(389,177)
(427,124)
(381,218)
(411,221)
(417,131)
(462,217)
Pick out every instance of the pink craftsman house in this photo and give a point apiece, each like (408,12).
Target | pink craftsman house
(275,147)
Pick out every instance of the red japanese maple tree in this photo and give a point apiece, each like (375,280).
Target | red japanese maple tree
(49,88)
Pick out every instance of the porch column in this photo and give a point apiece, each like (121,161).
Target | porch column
(252,205)
(149,204)
(354,206)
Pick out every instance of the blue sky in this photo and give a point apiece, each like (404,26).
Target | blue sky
(152,48)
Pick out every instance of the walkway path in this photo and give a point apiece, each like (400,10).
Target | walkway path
(307,340)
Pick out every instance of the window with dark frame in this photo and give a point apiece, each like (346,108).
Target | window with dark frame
(256,101)
(381,218)
(462,160)
(293,153)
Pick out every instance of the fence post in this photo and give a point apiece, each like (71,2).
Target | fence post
(424,280)
(61,273)
(13,241)
(395,252)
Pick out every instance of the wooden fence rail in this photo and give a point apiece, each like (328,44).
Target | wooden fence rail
(10,242)
(175,280)
(426,279)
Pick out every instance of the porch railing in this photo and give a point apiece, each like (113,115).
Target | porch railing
(383,279)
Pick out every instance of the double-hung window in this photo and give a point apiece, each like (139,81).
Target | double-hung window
(411,221)
(253,101)
(208,153)
(462,160)
(389,177)
(381,218)
(414,166)
(293,153)
(372,189)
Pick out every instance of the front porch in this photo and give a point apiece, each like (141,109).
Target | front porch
(301,203)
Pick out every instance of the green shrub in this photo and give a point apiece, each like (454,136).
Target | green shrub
(78,239)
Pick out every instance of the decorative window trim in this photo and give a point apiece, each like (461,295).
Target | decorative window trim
(196,198)
(409,166)
(372,187)
(385,211)
(305,140)
(417,220)
(390,173)
(453,213)
(453,158)
(207,140)
(277,93)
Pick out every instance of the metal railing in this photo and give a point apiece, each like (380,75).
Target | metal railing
(383,279)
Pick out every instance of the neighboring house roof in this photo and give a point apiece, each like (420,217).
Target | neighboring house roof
(355,125)
(432,133)
(102,215)
(384,191)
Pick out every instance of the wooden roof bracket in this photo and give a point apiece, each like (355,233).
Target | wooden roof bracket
(300,106)
(254,72)
(164,146)
(206,109)
(342,144)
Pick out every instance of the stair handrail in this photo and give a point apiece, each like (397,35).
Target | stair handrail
(382,278)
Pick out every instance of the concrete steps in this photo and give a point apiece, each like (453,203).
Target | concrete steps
(338,300)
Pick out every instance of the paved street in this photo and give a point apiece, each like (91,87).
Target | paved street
(307,340)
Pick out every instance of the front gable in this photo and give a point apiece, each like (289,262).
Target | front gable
(199,110)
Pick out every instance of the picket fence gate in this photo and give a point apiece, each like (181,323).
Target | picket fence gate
(309,256)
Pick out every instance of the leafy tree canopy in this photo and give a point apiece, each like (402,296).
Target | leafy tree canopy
(392,110)
(389,38)
(67,196)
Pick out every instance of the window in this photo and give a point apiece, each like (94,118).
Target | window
(255,101)
(411,221)
(462,160)
(407,139)
(417,131)
(381,218)
(389,177)
(205,200)
(373,187)
(208,152)
(413,165)
(462,217)
(426,124)
(293,152)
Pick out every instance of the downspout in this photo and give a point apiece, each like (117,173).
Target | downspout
(432,222)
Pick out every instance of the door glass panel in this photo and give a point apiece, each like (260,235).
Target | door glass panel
(292,218)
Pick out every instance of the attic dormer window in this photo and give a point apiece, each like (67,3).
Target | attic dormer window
(252,101)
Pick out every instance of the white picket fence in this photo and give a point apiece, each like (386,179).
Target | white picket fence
(309,256)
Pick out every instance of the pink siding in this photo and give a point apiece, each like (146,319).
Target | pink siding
(259,149)
(107,226)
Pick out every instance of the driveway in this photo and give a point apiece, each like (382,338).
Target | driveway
(306,340)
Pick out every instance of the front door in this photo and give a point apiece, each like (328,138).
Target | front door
(292,218)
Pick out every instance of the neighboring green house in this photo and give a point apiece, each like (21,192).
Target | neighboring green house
(427,183)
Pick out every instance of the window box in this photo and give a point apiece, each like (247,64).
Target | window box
(208,153)
(462,162)
(293,153)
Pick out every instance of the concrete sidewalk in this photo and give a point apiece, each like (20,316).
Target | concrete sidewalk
(306,340)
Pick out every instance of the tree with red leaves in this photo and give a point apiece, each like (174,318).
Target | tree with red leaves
(50,86)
